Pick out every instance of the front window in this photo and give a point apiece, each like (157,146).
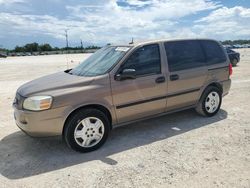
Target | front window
(101,61)
(145,60)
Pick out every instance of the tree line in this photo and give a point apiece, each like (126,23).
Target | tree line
(235,42)
(35,47)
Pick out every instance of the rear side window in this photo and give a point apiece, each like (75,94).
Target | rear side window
(145,60)
(184,55)
(214,53)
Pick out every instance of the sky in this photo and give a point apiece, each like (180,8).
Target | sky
(98,22)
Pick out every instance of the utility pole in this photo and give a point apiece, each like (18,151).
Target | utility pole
(81,45)
(66,35)
(67,46)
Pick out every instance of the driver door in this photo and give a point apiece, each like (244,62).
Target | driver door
(144,95)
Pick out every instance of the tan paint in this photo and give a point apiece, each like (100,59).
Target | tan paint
(71,92)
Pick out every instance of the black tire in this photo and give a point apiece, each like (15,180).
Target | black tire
(234,62)
(201,109)
(74,120)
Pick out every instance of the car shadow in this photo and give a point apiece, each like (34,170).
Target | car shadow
(23,156)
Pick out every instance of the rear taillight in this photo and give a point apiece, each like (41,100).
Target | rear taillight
(230,69)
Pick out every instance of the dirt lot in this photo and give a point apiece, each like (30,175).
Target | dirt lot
(177,150)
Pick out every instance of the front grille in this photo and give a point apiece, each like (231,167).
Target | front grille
(18,101)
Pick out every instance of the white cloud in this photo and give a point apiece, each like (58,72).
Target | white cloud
(119,23)
(225,13)
(9,2)
(38,24)
(105,21)
(225,23)
(138,3)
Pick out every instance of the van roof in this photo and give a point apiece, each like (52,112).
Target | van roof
(161,40)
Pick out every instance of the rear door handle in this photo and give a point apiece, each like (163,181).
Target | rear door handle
(160,79)
(174,77)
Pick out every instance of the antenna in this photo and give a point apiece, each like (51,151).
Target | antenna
(132,41)
(67,46)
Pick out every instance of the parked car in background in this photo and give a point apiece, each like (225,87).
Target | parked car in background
(233,56)
(3,55)
(122,84)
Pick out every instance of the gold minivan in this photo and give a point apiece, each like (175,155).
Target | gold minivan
(122,84)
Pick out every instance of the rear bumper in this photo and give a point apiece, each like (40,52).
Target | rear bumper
(40,124)
(226,85)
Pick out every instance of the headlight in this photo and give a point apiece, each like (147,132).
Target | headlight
(37,103)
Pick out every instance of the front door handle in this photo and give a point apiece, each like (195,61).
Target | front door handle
(160,79)
(174,77)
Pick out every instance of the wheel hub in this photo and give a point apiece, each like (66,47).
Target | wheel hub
(89,132)
(212,102)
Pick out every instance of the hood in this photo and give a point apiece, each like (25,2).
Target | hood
(61,80)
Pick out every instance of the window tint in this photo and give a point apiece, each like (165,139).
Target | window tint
(145,60)
(214,53)
(184,55)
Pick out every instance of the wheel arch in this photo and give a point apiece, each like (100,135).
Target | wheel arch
(215,84)
(95,106)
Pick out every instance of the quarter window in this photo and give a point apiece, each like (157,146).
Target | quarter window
(214,53)
(183,55)
(145,60)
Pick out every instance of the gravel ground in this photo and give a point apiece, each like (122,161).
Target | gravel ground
(177,150)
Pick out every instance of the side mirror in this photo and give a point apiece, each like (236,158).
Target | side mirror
(126,74)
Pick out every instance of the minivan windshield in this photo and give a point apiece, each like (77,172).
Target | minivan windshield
(101,61)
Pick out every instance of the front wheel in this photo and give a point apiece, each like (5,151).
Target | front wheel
(210,102)
(87,130)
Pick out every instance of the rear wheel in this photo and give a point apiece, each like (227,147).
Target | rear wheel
(87,130)
(210,101)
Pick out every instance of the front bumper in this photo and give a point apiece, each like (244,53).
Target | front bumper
(42,123)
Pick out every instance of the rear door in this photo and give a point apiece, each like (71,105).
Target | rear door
(187,72)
